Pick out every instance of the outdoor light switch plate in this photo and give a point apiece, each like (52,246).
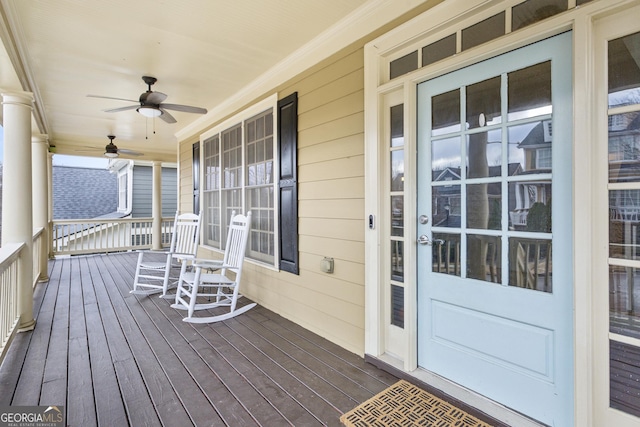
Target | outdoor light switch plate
(327,265)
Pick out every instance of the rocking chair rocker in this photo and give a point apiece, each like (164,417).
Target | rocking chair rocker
(218,288)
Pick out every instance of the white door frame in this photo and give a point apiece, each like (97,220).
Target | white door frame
(607,28)
(440,21)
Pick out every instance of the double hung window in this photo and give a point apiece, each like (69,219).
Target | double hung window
(239,166)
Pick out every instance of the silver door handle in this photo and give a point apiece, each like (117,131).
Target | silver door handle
(424,240)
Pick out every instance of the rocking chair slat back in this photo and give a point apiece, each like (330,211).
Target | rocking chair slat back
(185,236)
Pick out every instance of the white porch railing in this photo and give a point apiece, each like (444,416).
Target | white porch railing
(10,256)
(86,236)
(68,237)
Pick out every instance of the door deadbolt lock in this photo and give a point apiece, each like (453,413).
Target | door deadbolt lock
(423,219)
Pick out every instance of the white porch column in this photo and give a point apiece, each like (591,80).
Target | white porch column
(17,215)
(156,207)
(40,197)
(50,201)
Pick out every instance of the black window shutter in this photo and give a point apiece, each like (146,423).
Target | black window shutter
(288,182)
(196,177)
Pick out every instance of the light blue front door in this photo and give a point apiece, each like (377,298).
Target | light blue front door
(495,289)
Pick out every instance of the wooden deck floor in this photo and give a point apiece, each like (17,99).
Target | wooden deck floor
(115,359)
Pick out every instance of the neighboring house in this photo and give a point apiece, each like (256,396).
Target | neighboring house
(135,185)
(82,193)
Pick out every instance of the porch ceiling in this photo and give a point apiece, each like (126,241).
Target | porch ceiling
(201,51)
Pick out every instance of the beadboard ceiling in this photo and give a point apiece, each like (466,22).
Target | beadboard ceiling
(202,52)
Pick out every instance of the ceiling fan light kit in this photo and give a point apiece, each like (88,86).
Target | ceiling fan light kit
(112,151)
(149,111)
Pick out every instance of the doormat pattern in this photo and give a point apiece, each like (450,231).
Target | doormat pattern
(405,405)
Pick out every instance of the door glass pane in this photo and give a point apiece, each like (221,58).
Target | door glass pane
(446,253)
(403,65)
(397,215)
(445,113)
(484,206)
(624,301)
(484,259)
(441,49)
(484,154)
(530,264)
(446,208)
(624,70)
(532,11)
(397,261)
(397,125)
(397,306)
(624,147)
(483,103)
(484,31)
(624,372)
(624,217)
(529,92)
(530,147)
(446,158)
(397,170)
(530,206)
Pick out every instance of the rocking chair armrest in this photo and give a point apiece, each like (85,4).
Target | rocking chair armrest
(153,251)
(208,264)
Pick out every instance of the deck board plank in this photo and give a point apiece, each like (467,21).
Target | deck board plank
(200,410)
(109,406)
(54,383)
(248,397)
(345,362)
(80,395)
(133,391)
(328,403)
(165,399)
(32,371)
(231,411)
(343,393)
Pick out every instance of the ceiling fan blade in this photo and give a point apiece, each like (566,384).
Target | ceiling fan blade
(110,97)
(168,118)
(154,97)
(184,108)
(115,110)
(129,152)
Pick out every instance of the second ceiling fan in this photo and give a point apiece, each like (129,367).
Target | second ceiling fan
(151,104)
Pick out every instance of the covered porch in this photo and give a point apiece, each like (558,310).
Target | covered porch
(113,359)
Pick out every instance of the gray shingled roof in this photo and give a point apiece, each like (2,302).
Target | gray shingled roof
(80,193)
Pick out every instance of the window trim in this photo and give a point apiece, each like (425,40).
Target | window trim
(240,117)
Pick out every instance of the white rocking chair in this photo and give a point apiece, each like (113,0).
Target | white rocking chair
(153,273)
(218,288)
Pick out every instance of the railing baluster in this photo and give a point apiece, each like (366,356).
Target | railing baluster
(72,237)
(9,315)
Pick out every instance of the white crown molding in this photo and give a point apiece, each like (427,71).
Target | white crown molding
(358,24)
